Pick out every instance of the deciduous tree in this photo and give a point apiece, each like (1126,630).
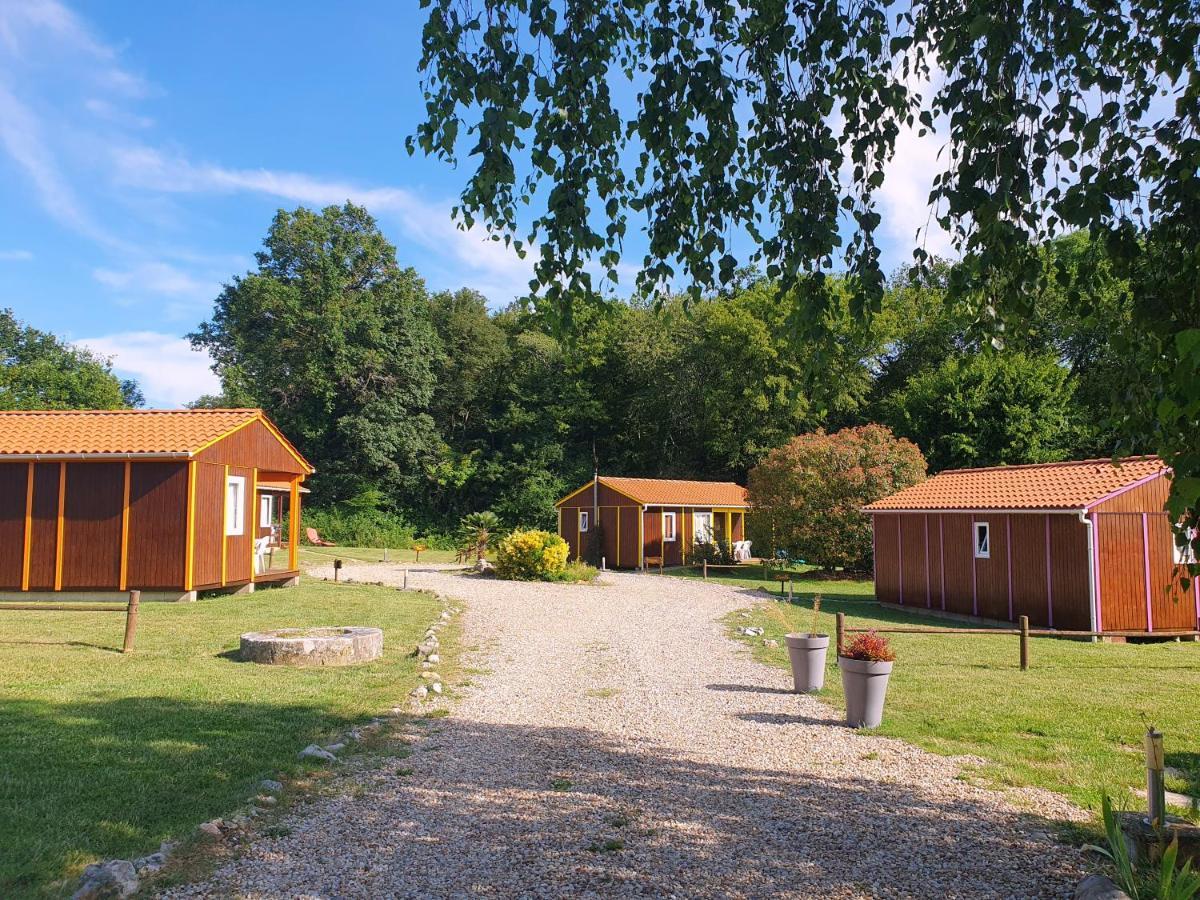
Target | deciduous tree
(710,121)
(40,371)
(334,340)
(807,495)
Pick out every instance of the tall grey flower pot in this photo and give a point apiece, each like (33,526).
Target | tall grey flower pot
(865,686)
(807,653)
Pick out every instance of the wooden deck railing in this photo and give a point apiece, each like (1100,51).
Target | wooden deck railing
(130,609)
(1022,631)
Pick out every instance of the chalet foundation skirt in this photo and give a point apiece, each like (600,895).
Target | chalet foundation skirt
(807,654)
(865,686)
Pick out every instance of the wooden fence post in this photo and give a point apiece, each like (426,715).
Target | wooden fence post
(841,631)
(706,570)
(1024,620)
(791,596)
(131,617)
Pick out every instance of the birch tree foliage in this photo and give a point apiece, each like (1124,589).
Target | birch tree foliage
(710,125)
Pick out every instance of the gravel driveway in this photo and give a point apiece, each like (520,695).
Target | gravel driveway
(618,744)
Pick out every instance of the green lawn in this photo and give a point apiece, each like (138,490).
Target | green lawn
(1072,723)
(105,755)
(310,556)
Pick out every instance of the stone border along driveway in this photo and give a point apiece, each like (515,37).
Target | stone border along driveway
(616,743)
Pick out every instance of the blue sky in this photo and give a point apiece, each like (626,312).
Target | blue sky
(144,147)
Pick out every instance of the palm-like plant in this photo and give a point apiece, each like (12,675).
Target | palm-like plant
(475,531)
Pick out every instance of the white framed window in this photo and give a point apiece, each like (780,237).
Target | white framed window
(235,505)
(983,541)
(1185,554)
(584,518)
(668,523)
(266,510)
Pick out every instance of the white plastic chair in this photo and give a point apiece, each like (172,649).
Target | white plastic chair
(262,550)
(741,551)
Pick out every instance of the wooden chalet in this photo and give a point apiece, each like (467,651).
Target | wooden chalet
(1072,545)
(169,502)
(635,519)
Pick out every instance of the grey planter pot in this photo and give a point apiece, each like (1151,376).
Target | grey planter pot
(865,686)
(807,653)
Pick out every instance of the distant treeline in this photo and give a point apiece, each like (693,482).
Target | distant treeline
(424,407)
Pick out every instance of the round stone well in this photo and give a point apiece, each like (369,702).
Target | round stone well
(337,646)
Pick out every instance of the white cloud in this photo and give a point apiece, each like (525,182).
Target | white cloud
(15,256)
(157,278)
(904,197)
(428,224)
(169,371)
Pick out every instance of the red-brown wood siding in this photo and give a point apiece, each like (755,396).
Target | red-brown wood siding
(92,526)
(253,445)
(44,540)
(652,533)
(629,536)
(208,530)
(912,549)
(1122,571)
(957,561)
(157,525)
(887,558)
(1148,497)
(934,523)
(238,547)
(1029,568)
(981,586)
(1069,573)
(14,484)
(608,535)
(991,574)
(1172,606)
(672,550)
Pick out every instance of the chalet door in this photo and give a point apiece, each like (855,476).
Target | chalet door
(702,526)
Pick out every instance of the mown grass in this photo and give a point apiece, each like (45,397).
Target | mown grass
(1072,723)
(105,755)
(315,556)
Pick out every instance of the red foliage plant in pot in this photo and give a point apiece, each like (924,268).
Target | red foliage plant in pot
(866,665)
(870,647)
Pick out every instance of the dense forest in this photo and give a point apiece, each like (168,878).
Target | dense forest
(432,405)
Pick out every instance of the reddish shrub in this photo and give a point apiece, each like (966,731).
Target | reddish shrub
(808,495)
(870,647)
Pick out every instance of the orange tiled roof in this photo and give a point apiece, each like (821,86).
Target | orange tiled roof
(152,432)
(1064,485)
(669,491)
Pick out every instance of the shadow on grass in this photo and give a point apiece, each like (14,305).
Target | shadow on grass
(85,780)
(105,647)
(671,817)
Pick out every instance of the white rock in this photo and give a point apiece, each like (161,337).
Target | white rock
(431,676)
(420,691)
(312,751)
(212,829)
(336,748)
(266,800)
(273,787)
(434,658)
(436,687)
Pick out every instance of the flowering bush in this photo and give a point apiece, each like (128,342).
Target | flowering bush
(532,556)
(870,647)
